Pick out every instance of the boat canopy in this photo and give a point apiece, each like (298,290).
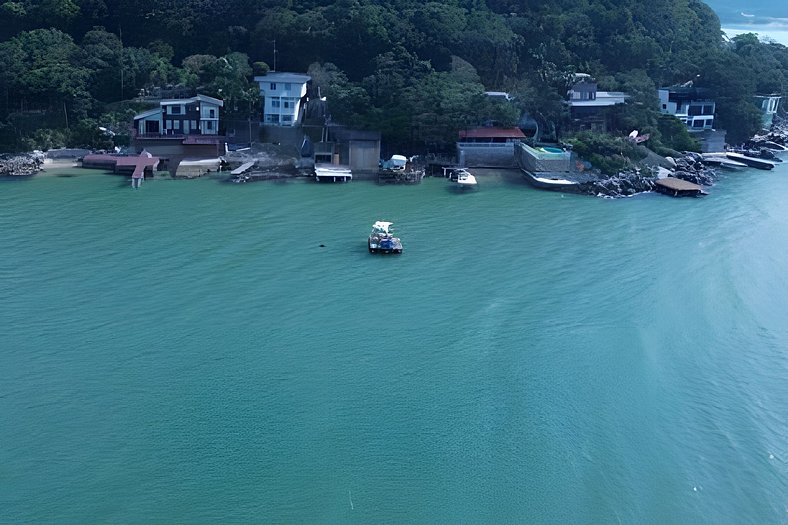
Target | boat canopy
(382,227)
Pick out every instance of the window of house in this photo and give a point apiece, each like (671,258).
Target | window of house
(708,110)
(272,119)
(698,123)
(209,125)
(273,86)
(274,102)
(176,124)
(211,113)
(194,124)
(168,124)
(287,118)
(287,103)
(694,110)
(709,123)
(664,106)
(175,110)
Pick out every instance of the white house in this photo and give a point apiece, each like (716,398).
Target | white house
(693,106)
(186,116)
(282,94)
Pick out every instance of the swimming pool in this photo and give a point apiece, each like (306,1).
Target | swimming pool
(547,149)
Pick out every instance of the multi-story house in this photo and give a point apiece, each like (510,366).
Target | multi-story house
(181,127)
(692,105)
(589,108)
(283,95)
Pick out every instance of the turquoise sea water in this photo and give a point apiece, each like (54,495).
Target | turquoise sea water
(188,353)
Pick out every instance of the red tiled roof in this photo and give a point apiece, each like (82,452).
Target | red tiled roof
(492,133)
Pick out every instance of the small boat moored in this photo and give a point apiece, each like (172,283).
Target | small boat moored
(463,179)
(382,239)
(723,162)
(750,161)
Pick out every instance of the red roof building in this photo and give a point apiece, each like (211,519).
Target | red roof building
(491,135)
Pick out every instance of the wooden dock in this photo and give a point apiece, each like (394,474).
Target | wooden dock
(332,173)
(137,166)
(678,187)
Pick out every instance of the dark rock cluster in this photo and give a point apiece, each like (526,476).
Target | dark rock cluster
(634,181)
(624,184)
(691,169)
(22,165)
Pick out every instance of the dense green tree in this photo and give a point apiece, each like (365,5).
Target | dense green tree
(394,60)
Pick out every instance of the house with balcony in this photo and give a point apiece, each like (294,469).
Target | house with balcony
(589,108)
(284,97)
(693,106)
(768,104)
(179,128)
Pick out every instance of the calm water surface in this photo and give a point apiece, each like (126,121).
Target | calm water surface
(188,353)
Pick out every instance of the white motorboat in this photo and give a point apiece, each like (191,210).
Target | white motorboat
(724,162)
(466,180)
(462,178)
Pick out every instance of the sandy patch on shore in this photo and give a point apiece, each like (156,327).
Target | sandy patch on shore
(50,166)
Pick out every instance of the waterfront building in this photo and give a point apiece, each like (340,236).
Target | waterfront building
(488,147)
(358,150)
(589,108)
(180,128)
(284,97)
(768,104)
(693,106)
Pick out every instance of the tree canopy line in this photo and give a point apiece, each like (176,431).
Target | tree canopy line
(414,70)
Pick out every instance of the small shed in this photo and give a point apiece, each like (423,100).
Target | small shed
(488,147)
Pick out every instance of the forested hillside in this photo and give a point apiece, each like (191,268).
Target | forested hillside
(414,70)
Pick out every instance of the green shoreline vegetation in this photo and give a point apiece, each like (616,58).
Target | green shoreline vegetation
(415,71)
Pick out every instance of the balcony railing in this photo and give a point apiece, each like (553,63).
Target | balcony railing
(191,138)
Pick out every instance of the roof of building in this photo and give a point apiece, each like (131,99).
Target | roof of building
(492,133)
(201,98)
(148,113)
(276,76)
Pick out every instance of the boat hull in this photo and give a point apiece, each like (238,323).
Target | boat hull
(544,183)
(392,247)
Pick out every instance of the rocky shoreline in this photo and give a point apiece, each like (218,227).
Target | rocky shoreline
(690,167)
(641,180)
(21,165)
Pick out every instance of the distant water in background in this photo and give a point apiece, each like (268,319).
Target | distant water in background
(767,18)
(189,353)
